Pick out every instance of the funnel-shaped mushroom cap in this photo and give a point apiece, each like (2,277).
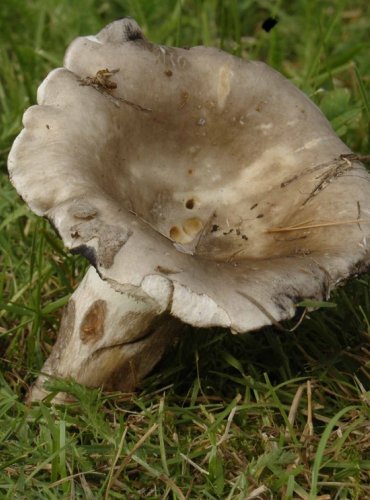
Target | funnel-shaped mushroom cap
(210,182)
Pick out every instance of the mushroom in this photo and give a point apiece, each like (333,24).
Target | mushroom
(201,187)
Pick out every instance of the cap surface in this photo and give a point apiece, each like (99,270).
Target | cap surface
(210,182)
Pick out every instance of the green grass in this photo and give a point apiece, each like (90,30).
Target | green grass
(271,414)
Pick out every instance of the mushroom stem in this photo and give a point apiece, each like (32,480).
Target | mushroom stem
(107,339)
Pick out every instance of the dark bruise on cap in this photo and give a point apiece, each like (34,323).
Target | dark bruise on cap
(131,33)
(88,252)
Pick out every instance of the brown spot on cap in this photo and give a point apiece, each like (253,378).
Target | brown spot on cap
(92,326)
(175,233)
(192,226)
(184,96)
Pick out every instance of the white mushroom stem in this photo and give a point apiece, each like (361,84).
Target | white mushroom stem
(107,338)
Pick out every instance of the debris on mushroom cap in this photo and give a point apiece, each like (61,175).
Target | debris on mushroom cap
(196,169)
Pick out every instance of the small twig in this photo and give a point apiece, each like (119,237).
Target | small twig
(128,457)
(73,476)
(308,430)
(335,168)
(257,492)
(340,167)
(313,226)
(196,466)
(119,450)
(294,408)
(356,157)
(230,418)
(135,106)
(359,214)
(309,408)
(187,496)
(303,315)
(103,84)
(306,172)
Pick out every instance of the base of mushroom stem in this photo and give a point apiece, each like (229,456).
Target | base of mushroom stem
(107,339)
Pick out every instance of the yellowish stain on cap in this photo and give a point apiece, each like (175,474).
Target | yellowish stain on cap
(187,231)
